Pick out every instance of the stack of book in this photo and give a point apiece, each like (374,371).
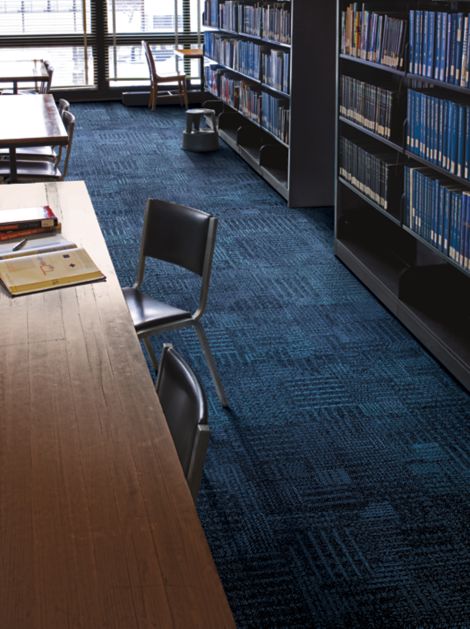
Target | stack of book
(373,36)
(439,212)
(367,105)
(372,174)
(35,257)
(27,222)
(439,131)
(439,46)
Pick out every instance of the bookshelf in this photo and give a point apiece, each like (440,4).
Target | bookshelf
(402,192)
(272,79)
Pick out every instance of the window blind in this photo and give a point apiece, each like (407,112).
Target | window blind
(58,30)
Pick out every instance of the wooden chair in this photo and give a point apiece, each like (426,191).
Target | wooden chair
(44,169)
(185,407)
(156,79)
(185,237)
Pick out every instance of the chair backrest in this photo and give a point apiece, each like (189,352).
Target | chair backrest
(69,123)
(181,235)
(63,105)
(45,86)
(150,61)
(185,407)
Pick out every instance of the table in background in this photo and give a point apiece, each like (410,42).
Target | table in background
(98,527)
(193,53)
(29,120)
(23,72)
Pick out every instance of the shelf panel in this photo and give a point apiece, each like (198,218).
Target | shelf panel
(263,40)
(438,334)
(264,86)
(436,251)
(369,201)
(437,82)
(253,122)
(442,171)
(381,277)
(372,134)
(372,64)
(248,154)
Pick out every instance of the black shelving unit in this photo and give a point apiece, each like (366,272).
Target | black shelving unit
(426,290)
(302,169)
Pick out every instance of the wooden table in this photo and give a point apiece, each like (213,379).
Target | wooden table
(97,525)
(29,120)
(23,72)
(193,53)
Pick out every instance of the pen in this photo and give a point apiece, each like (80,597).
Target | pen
(20,244)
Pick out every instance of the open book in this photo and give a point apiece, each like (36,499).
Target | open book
(43,271)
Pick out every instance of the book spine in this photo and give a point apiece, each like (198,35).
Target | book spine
(23,233)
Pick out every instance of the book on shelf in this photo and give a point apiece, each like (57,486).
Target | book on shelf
(36,244)
(37,272)
(439,212)
(439,46)
(373,36)
(369,106)
(271,21)
(27,218)
(374,174)
(438,130)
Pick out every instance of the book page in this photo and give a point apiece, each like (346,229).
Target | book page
(42,271)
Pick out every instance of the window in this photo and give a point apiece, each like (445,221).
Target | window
(53,30)
(95,44)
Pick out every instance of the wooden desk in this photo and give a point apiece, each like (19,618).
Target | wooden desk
(193,53)
(97,525)
(23,72)
(29,120)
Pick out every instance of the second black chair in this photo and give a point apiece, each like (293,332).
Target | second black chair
(185,407)
(185,237)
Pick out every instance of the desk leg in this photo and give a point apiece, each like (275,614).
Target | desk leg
(15,87)
(13,171)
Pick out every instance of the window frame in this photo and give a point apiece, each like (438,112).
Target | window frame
(99,39)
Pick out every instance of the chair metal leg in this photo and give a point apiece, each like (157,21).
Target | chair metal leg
(151,353)
(211,363)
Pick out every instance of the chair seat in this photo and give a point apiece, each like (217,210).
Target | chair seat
(147,312)
(32,169)
(30,153)
(168,78)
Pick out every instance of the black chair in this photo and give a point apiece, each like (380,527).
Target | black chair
(186,237)
(185,407)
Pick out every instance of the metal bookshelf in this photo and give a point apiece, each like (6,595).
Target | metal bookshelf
(302,171)
(424,288)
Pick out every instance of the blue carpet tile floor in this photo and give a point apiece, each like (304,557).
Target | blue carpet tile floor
(335,491)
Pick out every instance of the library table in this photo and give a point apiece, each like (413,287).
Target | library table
(29,120)
(193,53)
(97,525)
(23,72)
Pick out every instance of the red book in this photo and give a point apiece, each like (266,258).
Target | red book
(27,218)
(25,233)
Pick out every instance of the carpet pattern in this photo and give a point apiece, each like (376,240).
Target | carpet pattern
(335,491)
